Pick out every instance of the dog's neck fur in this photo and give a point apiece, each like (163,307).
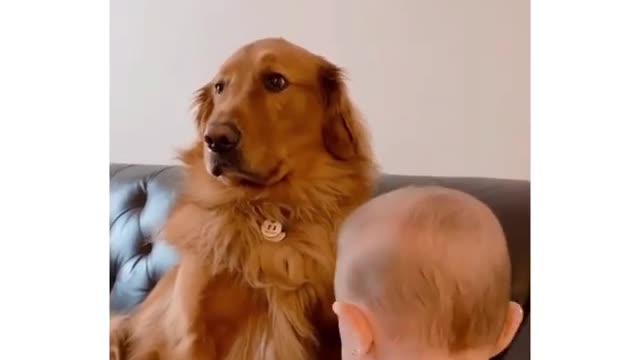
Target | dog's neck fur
(323,197)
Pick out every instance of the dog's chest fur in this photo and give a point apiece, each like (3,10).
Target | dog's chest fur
(264,300)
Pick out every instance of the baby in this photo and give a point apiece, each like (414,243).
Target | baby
(424,273)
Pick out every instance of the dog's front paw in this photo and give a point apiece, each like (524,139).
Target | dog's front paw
(118,334)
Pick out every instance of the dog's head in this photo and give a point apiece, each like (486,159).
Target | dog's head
(274,111)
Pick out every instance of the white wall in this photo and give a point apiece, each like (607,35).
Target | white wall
(444,84)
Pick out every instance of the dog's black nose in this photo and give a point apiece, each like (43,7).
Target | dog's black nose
(222,138)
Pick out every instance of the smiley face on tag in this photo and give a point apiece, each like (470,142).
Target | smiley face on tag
(272,231)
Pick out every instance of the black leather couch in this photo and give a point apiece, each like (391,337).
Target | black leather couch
(142,196)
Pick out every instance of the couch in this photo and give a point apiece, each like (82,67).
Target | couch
(141,197)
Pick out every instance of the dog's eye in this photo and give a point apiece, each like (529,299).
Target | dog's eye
(275,82)
(218,87)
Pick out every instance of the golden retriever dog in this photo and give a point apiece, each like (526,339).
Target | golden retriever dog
(281,159)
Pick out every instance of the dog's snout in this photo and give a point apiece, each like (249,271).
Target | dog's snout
(222,138)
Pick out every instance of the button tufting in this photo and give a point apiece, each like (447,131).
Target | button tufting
(145,248)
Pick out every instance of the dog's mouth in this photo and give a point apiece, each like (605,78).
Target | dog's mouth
(230,174)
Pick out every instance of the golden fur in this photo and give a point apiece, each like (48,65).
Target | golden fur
(234,295)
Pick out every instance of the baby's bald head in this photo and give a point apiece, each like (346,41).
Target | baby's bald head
(430,265)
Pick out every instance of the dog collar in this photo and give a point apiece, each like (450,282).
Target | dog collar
(272,231)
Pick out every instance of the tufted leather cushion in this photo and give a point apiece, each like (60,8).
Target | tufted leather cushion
(142,197)
(140,201)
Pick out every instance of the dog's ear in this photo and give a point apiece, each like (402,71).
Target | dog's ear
(203,106)
(342,131)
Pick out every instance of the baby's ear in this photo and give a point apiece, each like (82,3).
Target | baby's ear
(355,332)
(511,325)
